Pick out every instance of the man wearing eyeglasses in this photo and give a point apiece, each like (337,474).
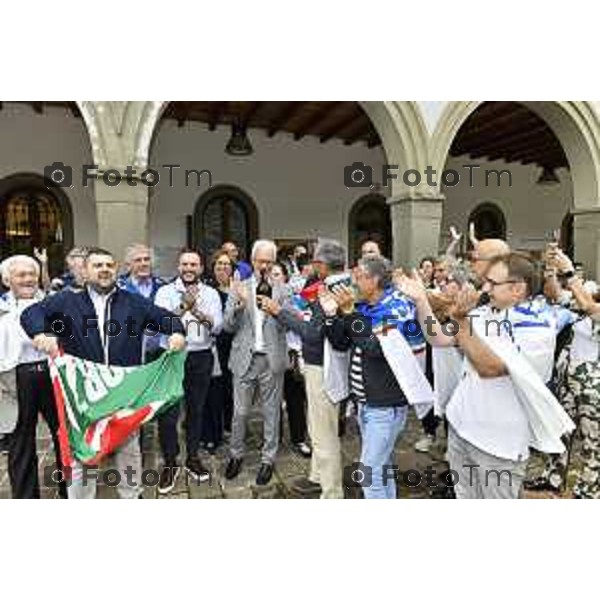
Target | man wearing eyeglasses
(490,429)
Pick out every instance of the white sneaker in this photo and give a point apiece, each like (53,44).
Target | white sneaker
(425,443)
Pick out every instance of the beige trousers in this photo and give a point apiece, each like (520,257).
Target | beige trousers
(323,428)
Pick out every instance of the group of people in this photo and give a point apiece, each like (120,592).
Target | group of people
(499,349)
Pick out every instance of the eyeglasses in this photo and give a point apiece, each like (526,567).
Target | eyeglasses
(494,284)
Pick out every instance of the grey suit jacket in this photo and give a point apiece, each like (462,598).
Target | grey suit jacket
(240,321)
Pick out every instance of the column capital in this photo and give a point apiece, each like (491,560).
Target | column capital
(578,212)
(432,197)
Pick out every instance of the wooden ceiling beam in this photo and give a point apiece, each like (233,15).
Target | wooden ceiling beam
(215,115)
(545,145)
(474,134)
(553,162)
(316,119)
(498,142)
(374,140)
(250,113)
(284,116)
(542,147)
(348,125)
(549,158)
(365,132)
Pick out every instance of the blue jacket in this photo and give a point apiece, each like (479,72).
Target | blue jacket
(81,338)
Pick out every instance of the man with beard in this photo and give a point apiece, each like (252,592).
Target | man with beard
(199,307)
(82,323)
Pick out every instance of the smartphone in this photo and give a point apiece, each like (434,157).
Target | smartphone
(340,279)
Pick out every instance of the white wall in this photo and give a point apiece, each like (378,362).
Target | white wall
(531,211)
(30,141)
(297,186)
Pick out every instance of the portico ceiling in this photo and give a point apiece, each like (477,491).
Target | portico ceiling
(326,120)
(509,131)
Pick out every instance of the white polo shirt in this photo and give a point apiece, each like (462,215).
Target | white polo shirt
(487,412)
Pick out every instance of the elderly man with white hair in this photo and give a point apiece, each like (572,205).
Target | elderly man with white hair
(34,393)
(258,358)
(139,260)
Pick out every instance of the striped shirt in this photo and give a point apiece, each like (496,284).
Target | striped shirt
(357,382)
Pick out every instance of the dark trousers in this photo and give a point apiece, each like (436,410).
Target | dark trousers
(34,396)
(196,382)
(430,423)
(213,417)
(227,397)
(294,393)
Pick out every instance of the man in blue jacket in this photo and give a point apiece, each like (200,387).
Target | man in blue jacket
(104,324)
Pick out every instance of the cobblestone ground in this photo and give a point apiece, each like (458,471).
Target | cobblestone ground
(289,466)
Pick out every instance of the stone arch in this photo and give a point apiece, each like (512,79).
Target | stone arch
(399,124)
(575,124)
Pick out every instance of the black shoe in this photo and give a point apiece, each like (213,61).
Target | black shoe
(305,487)
(5,443)
(168,477)
(303,449)
(233,468)
(197,470)
(540,484)
(264,474)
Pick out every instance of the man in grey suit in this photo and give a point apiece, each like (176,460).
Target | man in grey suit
(258,361)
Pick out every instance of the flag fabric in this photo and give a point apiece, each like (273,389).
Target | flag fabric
(100,406)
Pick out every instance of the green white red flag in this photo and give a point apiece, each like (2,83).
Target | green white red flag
(100,406)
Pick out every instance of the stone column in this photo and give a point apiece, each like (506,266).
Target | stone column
(416,223)
(122,212)
(587,240)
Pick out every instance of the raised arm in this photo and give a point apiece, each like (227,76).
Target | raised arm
(413,288)
(234,308)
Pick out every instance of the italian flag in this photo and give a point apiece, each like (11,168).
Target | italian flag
(100,406)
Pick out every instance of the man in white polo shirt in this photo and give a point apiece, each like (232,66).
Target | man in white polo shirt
(489,428)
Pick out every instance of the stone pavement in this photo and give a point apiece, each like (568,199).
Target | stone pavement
(289,466)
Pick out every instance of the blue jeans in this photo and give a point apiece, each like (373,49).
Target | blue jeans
(380,428)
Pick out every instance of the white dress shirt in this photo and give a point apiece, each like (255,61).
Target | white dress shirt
(198,336)
(259,319)
(14,342)
(101,306)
